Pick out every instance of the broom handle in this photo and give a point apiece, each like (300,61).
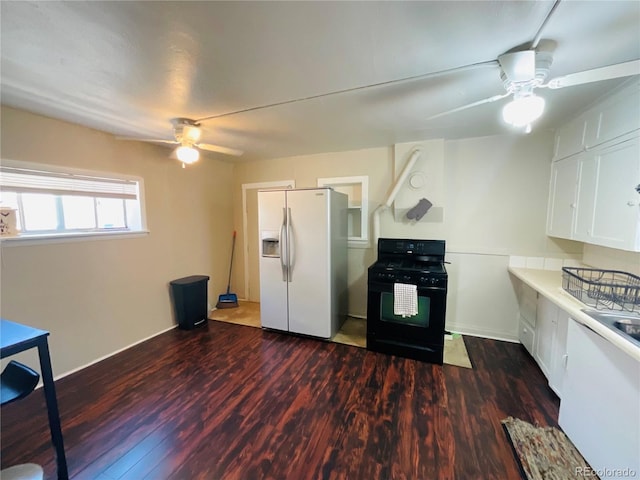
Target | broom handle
(233,247)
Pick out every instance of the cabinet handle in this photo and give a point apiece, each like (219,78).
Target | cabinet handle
(631,203)
(565,360)
(572,205)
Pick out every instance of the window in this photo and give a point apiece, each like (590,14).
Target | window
(63,202)
(356,188)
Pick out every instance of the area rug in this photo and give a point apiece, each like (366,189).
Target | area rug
(544,453)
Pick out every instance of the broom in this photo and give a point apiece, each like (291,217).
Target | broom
(229,300)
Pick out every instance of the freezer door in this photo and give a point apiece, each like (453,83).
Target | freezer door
(273,278)
(309,262)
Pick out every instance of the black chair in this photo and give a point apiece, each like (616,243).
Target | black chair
(16,382)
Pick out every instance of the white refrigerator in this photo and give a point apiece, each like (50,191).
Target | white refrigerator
(303,260)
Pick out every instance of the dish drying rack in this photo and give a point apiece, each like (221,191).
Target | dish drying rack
(603,289)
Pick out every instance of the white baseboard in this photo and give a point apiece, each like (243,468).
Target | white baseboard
(475,332)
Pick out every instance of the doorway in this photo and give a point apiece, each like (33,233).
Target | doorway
(250,233)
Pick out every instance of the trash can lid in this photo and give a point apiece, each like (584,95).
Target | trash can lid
(188,280)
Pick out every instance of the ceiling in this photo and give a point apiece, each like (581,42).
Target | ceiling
(129,67)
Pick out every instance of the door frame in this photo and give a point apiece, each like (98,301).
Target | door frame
(278,184)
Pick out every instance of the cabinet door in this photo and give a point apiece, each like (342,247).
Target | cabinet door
(615,117)
(559,361)
(545,332)
(585,197)
(562,197)
(570,138)
(616,212)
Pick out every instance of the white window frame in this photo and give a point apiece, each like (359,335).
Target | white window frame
(361,204)
(137,228)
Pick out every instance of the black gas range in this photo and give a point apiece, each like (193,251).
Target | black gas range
(408,266)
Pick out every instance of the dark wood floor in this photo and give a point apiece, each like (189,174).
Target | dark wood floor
(232,402)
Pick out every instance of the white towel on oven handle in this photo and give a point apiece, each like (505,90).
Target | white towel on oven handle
(405,299)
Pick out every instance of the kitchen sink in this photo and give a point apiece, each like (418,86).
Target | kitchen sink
(625,324)
(630,326)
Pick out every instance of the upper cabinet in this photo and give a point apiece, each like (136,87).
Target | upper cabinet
(594,194)
(570,138)
(608,120)
(613,118)
(562,197)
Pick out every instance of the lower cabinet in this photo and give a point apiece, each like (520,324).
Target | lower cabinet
(550,342)
(600,405)
(527,301)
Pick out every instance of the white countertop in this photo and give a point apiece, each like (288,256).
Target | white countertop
(549,284)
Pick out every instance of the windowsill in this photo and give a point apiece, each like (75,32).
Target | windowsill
(24,240)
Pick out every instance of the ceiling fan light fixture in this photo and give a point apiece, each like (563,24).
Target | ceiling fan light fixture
(191,133)
(187,154)
(523,110)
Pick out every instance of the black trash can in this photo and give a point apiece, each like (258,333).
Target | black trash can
(190,300)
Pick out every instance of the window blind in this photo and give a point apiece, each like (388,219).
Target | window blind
(39,181)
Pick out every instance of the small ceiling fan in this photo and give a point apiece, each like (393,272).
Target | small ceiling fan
(524,71)
(187,134)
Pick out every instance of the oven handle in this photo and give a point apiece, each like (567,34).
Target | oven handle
(388,288)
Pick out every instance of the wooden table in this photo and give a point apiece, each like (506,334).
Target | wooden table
(16,338)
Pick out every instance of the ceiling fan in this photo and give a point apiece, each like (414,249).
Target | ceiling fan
(187,134)
(522,72)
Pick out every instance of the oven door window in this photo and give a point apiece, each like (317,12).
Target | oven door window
(420,320)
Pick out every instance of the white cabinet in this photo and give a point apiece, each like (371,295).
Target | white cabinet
(614,117)
(527,301)
(570,138)
(616,211)
(545,332)
(550,342)
(607,120)
(559,355)
(594,196)
(562,199)
(600,406)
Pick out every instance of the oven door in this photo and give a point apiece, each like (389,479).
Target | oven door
(425,328)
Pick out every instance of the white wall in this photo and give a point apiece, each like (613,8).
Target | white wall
(97,297)
(612,259)
(495,203)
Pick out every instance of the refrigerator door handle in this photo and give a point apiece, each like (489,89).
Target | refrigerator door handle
(283,245)
(290,245)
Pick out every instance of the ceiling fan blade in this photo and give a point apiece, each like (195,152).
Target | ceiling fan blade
(618,70)
(149,140)
(219,149)
(519,66)
(495,98)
